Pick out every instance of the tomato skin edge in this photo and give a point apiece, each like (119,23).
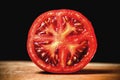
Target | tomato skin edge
(38,62)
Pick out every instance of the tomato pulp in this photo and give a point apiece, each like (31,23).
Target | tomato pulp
(61,41)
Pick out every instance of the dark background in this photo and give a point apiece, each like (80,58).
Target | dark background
(17,16)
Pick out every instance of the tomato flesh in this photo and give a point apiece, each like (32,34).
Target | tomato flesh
(61,41)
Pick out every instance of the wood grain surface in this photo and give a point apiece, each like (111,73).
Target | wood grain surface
(27,70)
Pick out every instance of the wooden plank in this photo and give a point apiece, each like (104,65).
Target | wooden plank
(27,70)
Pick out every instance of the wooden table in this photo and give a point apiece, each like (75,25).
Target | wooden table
(27,70)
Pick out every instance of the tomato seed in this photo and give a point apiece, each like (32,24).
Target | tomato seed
(69,62)
(46,60)
(43,54)
(39,50)
(74,58)
(77,24)
(36,44)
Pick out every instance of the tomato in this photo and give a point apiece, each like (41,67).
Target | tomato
(61,41)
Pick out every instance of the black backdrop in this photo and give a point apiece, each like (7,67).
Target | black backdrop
(17,16)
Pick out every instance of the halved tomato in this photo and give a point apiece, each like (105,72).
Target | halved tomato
(61,41)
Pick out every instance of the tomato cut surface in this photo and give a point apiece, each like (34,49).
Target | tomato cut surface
(61,41)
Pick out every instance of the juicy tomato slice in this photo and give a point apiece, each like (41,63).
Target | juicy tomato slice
(61,41)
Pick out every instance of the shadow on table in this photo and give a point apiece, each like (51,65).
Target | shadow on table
(85,71)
